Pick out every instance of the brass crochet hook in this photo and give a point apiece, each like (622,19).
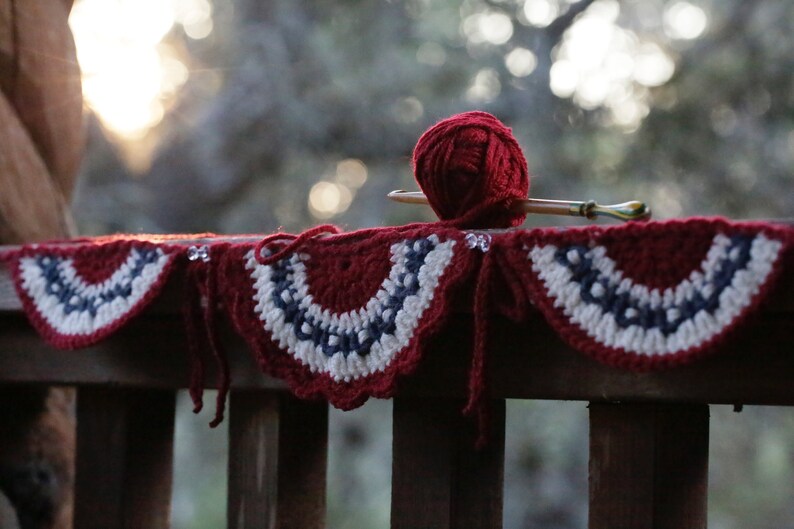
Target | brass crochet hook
(626,211)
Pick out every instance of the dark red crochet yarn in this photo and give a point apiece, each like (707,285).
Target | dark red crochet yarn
(472,170)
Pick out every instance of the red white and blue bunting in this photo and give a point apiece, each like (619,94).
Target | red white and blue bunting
(76,297)
(359,342)
(650,296)
(343,316)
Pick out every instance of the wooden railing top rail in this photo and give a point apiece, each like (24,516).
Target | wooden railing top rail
(527,360)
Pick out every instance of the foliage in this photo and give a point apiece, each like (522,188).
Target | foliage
(282,91)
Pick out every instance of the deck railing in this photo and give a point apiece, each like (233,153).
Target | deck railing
(648,431)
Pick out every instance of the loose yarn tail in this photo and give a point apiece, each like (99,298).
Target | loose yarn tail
(476,403)
(295,241)
(218,351)
(191,317)
(201,311)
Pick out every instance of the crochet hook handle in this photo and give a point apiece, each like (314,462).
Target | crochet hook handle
(625,211)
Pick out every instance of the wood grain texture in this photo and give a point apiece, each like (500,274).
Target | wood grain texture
(648,466)
(253,460)
(32,208)
(46,91)
(439,480)
(532,364)
(124,458)
(149,353)
(277,462)
(529,361)
(150,449)
(7,44)
(302,464)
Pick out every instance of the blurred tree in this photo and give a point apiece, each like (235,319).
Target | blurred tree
(296,112)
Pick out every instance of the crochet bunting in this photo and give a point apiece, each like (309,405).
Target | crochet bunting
(76,295)
(652,295)
(343,316)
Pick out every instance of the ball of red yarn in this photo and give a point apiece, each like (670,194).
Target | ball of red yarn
(472,170)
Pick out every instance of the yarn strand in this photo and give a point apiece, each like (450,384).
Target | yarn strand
(476,404)
(190,315)
(218,351)
(295,241)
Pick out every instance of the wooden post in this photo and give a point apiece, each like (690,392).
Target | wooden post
(648,466)
(278,449)
(124,458)
(439,479)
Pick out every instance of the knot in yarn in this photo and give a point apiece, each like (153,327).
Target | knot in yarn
(472,171)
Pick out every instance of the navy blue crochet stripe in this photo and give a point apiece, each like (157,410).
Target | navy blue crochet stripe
(349,341)
(59,286)
(586,275)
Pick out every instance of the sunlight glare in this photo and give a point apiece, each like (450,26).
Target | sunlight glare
(130,76)
(685,21)
(125,102)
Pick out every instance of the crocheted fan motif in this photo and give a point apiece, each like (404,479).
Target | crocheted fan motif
(350,313)
(77,296)
(658,295)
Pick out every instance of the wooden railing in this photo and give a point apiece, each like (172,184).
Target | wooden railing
(648,432)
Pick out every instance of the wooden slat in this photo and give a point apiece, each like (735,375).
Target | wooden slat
(148,353)
(303,462)
(277,461)
(648,466)
(150,449)
(253,459)
(124,458)
(529,361)
(439,479)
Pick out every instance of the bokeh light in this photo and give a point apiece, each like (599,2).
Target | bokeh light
(540,13)
(407,109)
(485,86)
(520,62)
(683,20)
(488,26)
(351,173)
(327,199)
(600,64)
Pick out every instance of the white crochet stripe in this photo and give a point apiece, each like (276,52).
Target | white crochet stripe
(81,322)
(383,351)
(601,326)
